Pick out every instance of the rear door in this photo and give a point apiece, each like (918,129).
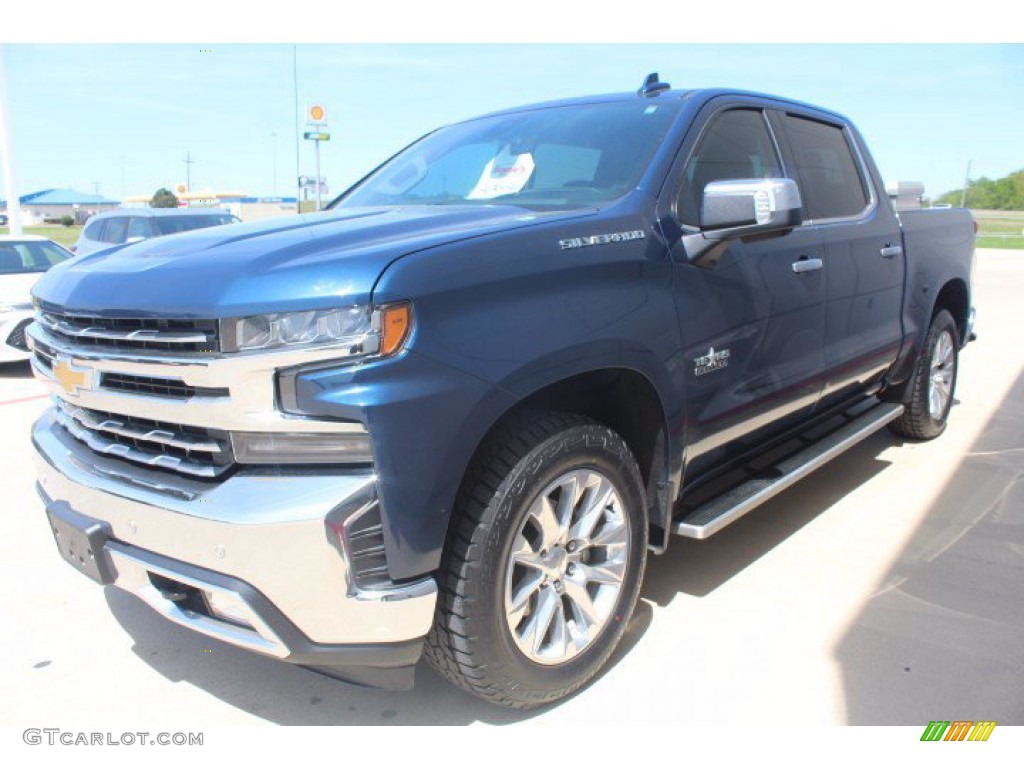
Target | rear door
(752,326)
(863,258)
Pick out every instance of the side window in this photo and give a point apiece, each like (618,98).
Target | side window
(138,227)
(115,230)
(736,145)
(830,183)
(93,230)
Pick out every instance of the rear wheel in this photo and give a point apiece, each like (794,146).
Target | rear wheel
(543,565)
(934,382)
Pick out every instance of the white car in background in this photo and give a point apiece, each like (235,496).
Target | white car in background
(23,259)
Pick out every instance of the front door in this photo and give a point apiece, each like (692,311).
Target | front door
(753,325)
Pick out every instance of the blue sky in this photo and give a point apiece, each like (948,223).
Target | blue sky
(123,116)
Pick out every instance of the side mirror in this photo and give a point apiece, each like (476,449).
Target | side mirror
(740,209)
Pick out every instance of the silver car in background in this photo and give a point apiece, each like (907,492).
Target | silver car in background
(129,225)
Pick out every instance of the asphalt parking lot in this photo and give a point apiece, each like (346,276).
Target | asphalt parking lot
(886,589)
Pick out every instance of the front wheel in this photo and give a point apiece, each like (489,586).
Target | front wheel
(934,382)
(543,564)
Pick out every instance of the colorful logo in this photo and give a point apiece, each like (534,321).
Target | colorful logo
(958,730)
(70,377)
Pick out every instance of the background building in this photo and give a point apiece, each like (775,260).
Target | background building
(245,207)
(50,205)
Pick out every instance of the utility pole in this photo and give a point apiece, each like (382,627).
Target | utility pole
(96,188)
(10,188)
(967,183)
(188,161)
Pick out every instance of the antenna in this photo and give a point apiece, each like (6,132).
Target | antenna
(652,86)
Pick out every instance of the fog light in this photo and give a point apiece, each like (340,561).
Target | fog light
(301,448)
(227,607)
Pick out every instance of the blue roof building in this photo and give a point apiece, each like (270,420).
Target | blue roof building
(51,204)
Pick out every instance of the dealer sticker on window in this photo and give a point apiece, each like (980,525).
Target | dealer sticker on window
(505,174)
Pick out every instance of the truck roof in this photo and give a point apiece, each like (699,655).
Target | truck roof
(700,95)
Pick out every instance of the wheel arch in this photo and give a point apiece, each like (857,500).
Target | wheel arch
(622,398)
(955,299)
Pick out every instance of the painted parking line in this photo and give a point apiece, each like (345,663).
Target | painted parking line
(23,399)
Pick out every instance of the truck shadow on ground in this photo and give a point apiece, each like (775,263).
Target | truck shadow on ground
(698,568)
(289,695)
(944,630)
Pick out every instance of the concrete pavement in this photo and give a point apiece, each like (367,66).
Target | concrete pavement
(884,589)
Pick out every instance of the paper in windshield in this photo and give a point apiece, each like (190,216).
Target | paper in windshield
(505,174)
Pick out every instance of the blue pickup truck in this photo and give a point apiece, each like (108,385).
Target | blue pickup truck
(452,415)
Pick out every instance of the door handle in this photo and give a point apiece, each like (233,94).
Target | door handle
(806,264)
(890,251)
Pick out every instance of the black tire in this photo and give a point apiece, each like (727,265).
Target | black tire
(471,643)
(917,422)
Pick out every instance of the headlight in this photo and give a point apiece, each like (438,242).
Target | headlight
(365,331)
(26,307)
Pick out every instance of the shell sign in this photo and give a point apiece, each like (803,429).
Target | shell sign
(316,113)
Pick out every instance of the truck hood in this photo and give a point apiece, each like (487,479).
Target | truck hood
(312,261)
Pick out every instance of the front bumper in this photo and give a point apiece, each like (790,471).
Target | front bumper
(265,543)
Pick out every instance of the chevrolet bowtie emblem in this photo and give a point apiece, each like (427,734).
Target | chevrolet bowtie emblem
(71,379)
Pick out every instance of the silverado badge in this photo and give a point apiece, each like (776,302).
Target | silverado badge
(72,379)
(712,361)
(611,237)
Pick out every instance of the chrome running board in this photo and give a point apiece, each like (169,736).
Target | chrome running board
(715,514)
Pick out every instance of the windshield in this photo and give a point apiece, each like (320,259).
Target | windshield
(29,256)
(169,225)
(558,157)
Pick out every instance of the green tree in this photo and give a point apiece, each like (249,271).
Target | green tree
(67,221)
(1005,194)
(163,198)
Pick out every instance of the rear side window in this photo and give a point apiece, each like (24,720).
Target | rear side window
(115,230)
(93,230)
(138,227)
(736,145)
(830,182)
(169,225)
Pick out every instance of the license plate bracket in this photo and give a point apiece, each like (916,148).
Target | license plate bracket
(80,540)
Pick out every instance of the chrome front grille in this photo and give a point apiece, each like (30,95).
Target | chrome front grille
(124,334)
(159,386)
(189,450)
(170,411)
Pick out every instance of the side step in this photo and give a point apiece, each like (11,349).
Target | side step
(712,516)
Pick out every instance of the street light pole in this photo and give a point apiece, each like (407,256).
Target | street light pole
(317,143)
(188,161)
(10,188)
(295,85)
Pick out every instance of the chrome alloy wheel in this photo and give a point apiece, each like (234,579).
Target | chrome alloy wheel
(940,381)
(566,568)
